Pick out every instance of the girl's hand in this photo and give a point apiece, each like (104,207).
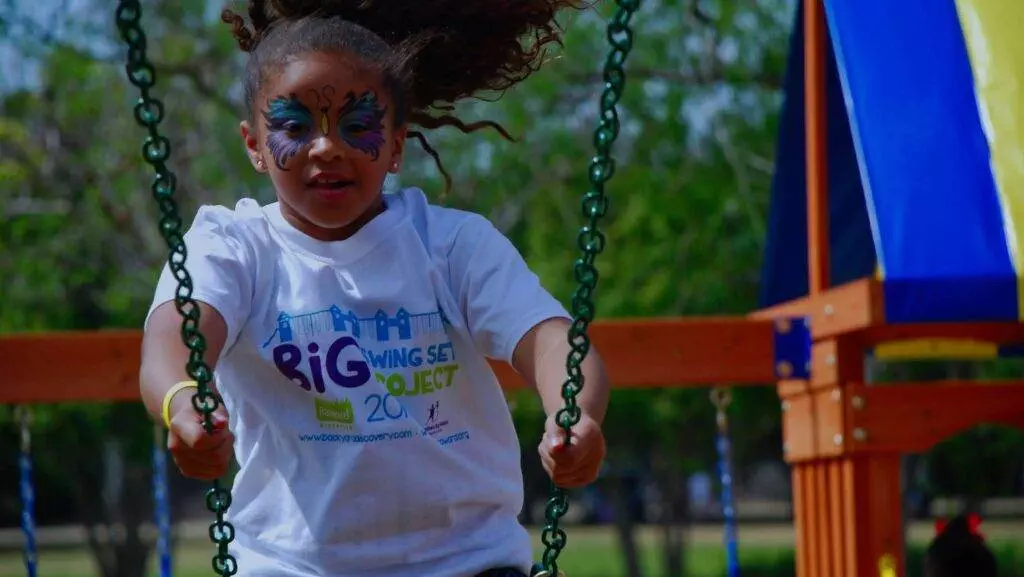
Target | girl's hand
(198,454)
(578,463)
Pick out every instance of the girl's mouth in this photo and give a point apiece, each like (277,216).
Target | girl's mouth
(329,184)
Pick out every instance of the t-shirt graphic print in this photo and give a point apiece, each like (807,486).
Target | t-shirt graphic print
(408,355)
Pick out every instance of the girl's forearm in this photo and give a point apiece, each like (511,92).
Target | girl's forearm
(165,356)
(545,366)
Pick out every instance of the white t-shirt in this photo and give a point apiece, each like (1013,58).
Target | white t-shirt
(372,435)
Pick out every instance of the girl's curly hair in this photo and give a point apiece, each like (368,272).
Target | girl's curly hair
(429,53)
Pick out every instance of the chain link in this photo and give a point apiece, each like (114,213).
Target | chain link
(149,112)
(591,242)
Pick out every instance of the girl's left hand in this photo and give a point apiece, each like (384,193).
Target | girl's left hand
(577,463)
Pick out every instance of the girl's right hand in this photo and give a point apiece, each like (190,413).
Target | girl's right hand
(198,454)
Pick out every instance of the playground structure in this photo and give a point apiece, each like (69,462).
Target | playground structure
(893,232)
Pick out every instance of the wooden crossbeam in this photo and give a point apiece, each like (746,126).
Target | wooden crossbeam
(847,308)
(104,365)
(913,417)
(858,307)
(894,417)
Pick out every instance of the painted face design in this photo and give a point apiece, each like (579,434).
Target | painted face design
(361,123)
(291,125)
(289,128)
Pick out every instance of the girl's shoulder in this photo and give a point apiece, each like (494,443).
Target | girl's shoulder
(242,230)
(247,223)
(224,220)
(442,226)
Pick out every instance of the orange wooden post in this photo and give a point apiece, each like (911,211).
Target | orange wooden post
(874,514)
(848,519)
(837,514)
(815,115)
(847,498)
(802,506)
(812,491)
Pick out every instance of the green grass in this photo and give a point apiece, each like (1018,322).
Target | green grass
(592,552)
(580,560)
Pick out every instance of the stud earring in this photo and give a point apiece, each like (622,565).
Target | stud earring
(261,165)
(394,166)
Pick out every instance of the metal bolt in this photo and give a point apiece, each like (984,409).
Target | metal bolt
(837,395)
(857,402)
(829,310)
(838,440)
(860,434)
(784,369)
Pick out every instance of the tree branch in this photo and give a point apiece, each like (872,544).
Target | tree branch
(762,79)
(190,70)
(201,85)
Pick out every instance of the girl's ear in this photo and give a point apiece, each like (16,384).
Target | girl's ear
(398,137)
(252,147)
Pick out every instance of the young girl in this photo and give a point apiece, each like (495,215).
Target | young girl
(350,329)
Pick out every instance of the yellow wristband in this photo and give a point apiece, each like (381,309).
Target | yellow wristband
(170,395)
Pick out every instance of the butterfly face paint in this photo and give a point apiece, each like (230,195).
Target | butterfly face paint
(360,123)
(291,125)
(289,128)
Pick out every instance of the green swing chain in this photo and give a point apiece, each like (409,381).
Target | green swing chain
(149,111)
(591,241)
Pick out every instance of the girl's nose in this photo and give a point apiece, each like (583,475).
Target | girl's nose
(326,149)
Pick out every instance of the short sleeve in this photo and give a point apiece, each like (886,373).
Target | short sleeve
(221,265)
(499,296)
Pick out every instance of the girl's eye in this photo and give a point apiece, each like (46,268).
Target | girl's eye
(356,128)
(293,127)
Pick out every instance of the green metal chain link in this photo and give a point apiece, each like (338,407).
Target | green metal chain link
(591,241)
(149,111)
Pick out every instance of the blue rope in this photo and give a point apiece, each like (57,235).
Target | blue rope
(724,446)
(162,507)
(28,494)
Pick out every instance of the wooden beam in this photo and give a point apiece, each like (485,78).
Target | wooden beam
(913,417)
(104,365)
(70,366)
(858,307)
(848,308)
(892,418)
